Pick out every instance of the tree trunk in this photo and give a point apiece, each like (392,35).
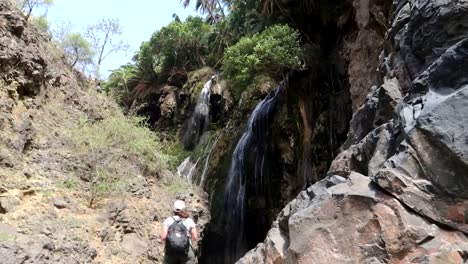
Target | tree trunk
(100,57)
(74,63)
(29,14)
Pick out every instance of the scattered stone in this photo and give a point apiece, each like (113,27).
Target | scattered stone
(114,211)
(27,174)
(107,234)
(29,192)
(166,174)
(3,189)
(6,160)
(134,245)
(139,187)
(60,203)
(8,204)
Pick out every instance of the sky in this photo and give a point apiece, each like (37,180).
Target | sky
(139,19)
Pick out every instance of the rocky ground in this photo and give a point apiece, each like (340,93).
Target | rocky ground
(397,193)
(44,197)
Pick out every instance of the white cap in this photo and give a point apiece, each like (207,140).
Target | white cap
(179,205)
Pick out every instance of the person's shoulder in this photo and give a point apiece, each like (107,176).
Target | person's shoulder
(190,221)
(169,221)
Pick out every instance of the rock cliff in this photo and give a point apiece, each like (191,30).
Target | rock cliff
(397,191)
(45,179)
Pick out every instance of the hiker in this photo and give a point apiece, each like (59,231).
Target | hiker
(177,235)
(98,87)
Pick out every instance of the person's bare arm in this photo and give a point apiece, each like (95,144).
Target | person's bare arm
(164,233)
(194,234)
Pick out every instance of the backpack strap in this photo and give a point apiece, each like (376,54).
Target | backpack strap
(181,220)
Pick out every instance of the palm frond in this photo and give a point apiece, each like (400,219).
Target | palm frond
(185,3)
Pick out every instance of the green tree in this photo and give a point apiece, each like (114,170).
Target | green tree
(270,52)
(103,39)
(121,83)
(144,63)
(78,50)
(29,5)
(223,34)
(213,8)
(180,45)
(40,23)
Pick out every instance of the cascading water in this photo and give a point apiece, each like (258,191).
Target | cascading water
(207,162)
(246,167)
(200,118)
(187,169)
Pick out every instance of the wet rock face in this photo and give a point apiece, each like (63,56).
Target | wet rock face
(428,171)
(363,47)
(170,106)
(404,194)
(419,155)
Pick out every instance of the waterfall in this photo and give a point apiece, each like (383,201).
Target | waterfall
(207,162)
(198,122)
(247,164)
(187,169)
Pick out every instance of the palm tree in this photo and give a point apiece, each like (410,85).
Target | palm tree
(213,8)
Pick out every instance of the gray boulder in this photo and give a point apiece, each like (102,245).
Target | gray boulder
(355,222)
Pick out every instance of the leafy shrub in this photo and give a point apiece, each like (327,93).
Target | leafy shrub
(78,50)
(176,151)
(176,185)
(121,83)
(180,45)
(69,184)
(113,147)
(272,51)
(126,136)
(222,35)
(41,23)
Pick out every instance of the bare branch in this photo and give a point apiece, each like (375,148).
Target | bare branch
(101,36)
(29,5)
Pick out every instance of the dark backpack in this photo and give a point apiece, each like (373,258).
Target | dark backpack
(177,242)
